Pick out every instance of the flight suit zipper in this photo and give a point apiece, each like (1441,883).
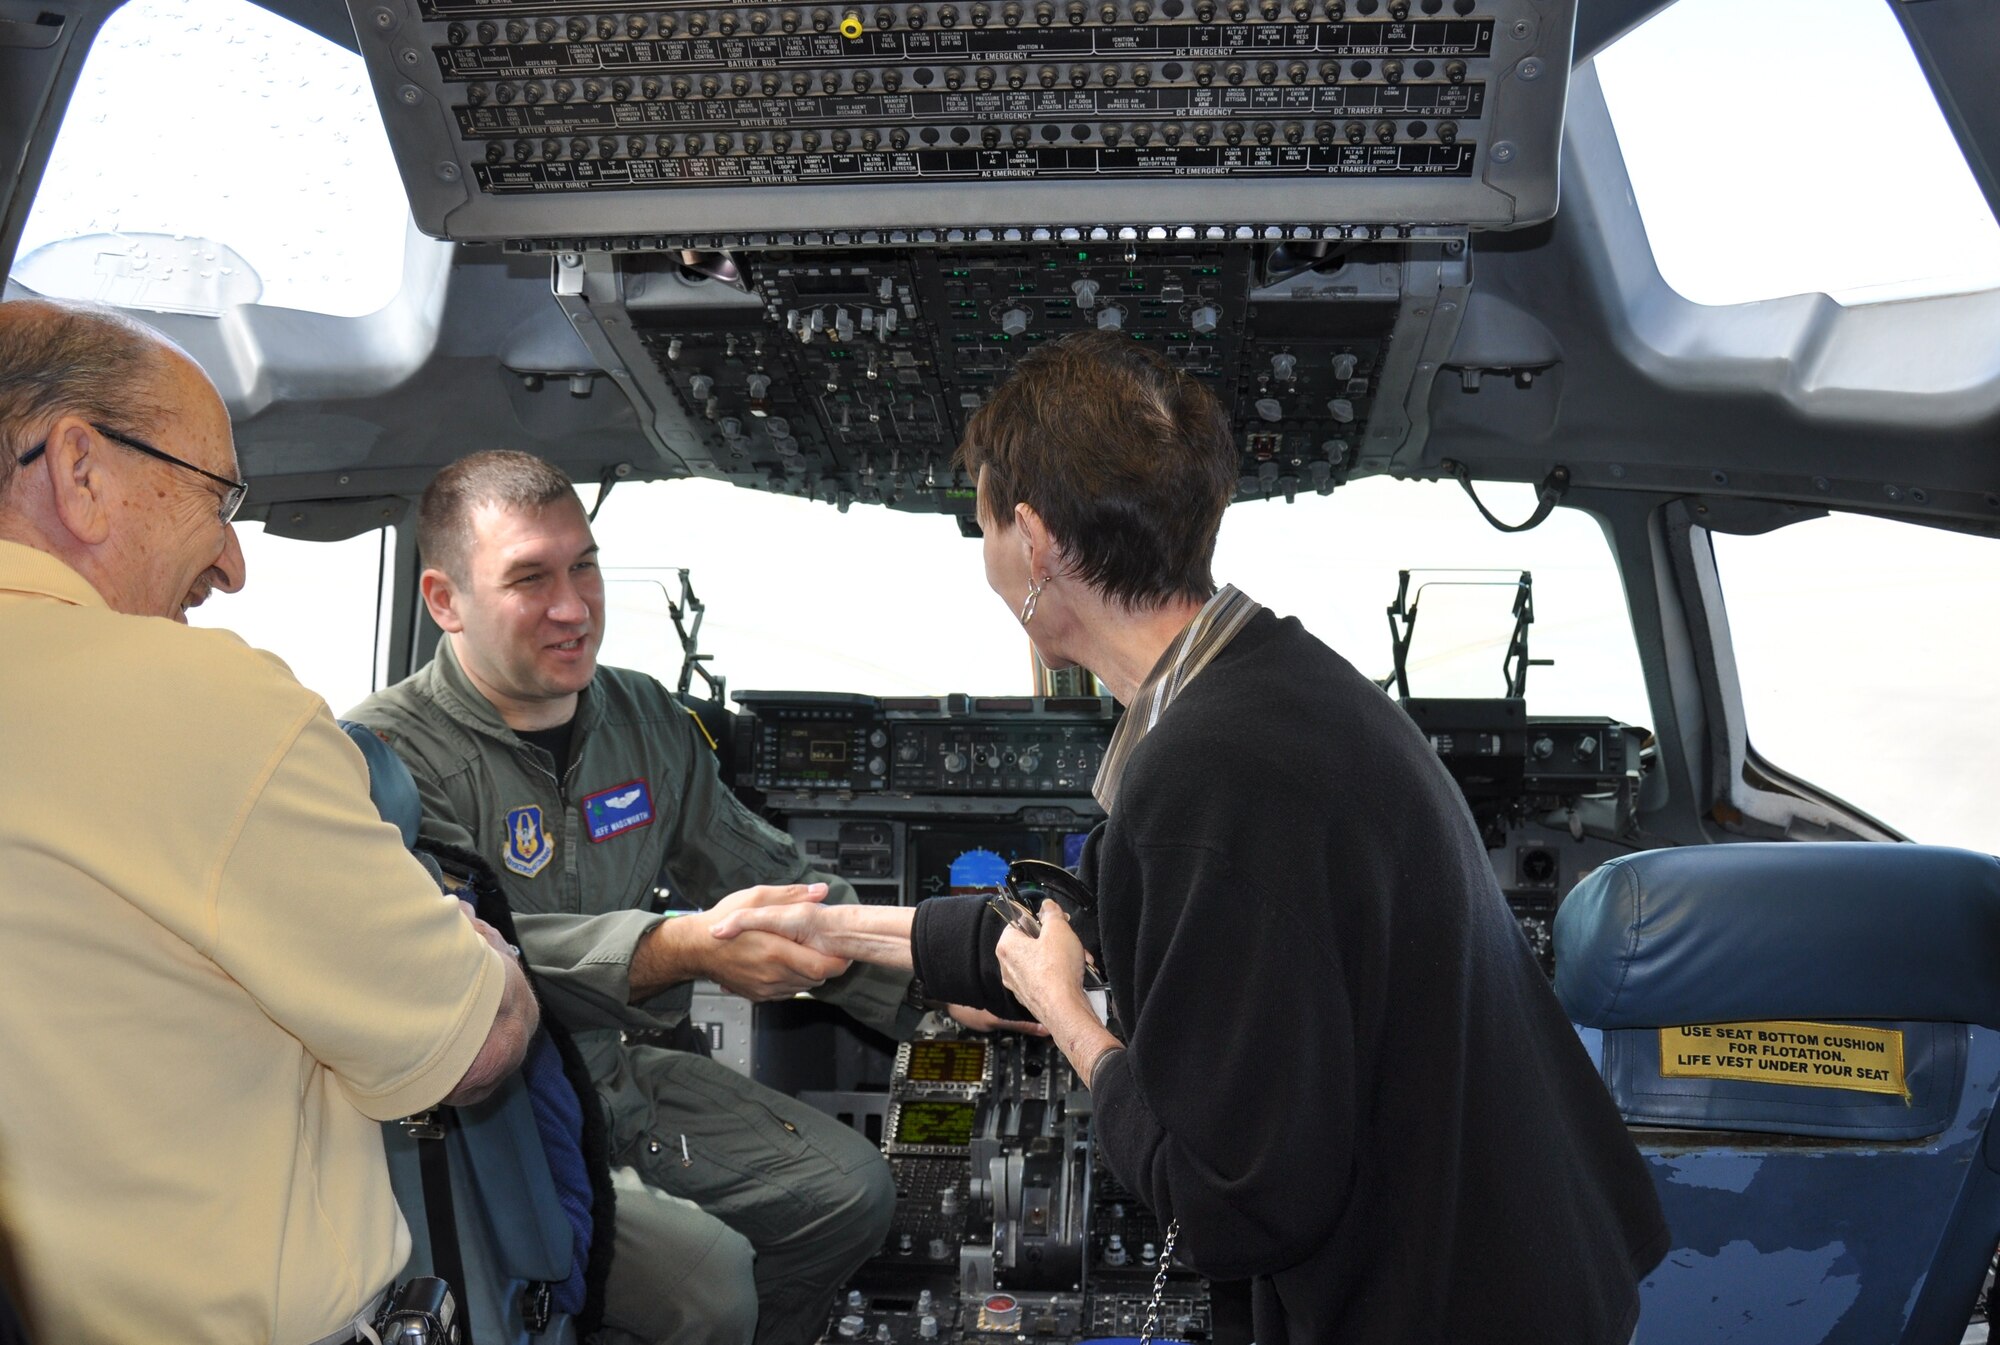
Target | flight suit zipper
(567,837)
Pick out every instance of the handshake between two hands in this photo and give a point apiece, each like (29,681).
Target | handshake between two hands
(772,942)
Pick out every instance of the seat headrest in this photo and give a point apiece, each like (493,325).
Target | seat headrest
(1735,933)
(390,783)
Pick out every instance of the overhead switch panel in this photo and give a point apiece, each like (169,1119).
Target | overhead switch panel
(635,128)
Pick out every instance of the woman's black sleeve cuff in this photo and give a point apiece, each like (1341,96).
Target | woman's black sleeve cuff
(952,943)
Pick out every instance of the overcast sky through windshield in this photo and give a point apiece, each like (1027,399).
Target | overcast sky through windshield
(275,153)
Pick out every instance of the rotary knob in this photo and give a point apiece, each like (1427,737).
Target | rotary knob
(1341,410)
(1014,321)
(1110,320)
(1085,292)
(1269,409)
(877,738)
(1030,761)
(954,763)
(1344,365)
(1284,366)
(700,386)
(1205,320)
(877,766)
(908,751)
(1543,748)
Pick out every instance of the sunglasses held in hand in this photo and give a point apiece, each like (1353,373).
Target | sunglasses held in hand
(1030,882)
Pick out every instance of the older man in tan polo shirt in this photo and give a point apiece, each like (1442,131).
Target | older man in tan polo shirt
(223,970)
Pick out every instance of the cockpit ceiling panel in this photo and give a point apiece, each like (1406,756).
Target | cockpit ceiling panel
(584,127)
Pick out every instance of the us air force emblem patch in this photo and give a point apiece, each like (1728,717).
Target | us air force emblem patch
(527,847)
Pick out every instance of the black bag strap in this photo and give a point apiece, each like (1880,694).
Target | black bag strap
(430,1130)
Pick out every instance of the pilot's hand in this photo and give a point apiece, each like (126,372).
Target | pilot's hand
(759,964)
(1046,973)
(802,922)
(978,1020)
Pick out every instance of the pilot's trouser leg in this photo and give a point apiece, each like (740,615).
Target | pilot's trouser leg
(678,1276)
(813,1197)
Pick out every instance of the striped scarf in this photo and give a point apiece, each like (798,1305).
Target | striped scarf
(1213,627)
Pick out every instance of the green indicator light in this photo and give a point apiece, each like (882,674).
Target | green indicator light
(1083,256)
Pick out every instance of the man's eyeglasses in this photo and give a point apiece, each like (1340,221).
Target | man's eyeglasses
(232,499)
(1029,883)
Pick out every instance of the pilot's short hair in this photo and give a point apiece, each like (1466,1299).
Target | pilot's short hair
(500,476)
(75,359)
(1128,460)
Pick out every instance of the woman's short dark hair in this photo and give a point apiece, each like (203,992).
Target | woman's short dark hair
(1129,461)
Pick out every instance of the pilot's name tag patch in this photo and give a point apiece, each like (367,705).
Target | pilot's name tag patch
(527,847)
(617,809)
(1812,1055)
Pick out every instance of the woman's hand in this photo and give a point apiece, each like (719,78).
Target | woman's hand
(805,922)
(854,932)
(979,1020)
(1046,973)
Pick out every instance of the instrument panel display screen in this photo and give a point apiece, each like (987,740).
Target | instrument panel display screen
(806,749)
(937,1062)
(939,1124)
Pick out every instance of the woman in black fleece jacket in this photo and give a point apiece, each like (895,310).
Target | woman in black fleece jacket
(1342,1072)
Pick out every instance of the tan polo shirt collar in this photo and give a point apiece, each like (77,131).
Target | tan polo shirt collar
(24,569)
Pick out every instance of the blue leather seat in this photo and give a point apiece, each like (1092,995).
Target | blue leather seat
(512,1231)
(1828,1160)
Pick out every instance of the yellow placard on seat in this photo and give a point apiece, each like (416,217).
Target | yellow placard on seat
(1810,1055)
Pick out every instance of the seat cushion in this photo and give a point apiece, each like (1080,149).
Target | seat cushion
(390,784)
(1828,932)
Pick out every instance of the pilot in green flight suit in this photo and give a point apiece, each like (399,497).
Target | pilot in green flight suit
(586,788)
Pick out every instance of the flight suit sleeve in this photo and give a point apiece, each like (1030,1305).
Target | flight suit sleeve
(719,846)
(582,963)
(344,939)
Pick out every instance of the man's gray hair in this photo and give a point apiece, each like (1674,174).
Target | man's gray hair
(498,476)
(58,359)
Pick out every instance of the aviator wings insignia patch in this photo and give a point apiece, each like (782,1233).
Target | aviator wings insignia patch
(616,810)
(527,846)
